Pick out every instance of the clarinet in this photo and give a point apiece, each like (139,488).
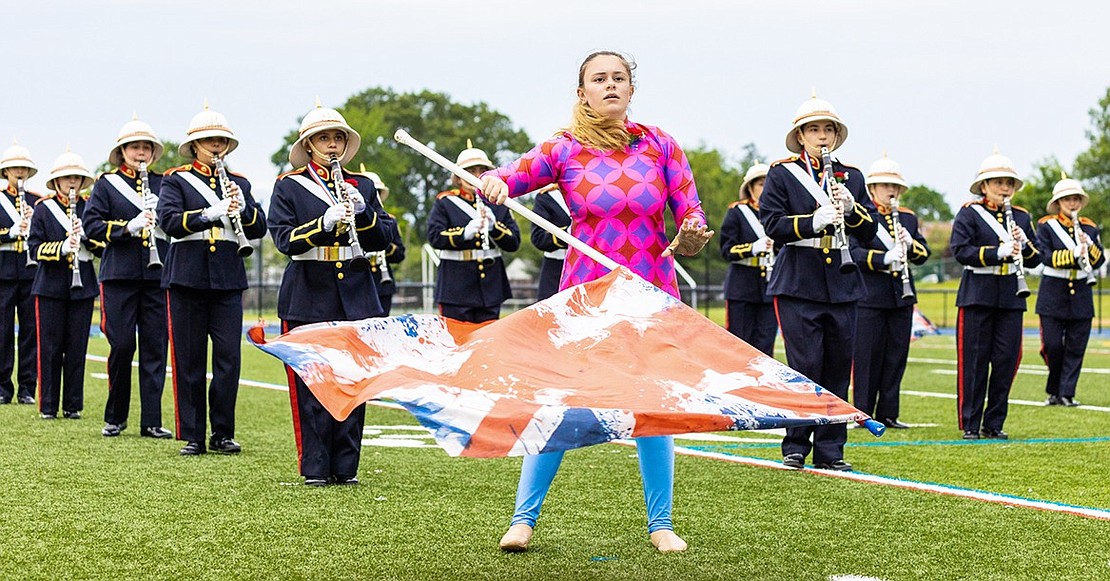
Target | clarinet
(358,261)
(1019,260)
(75,266)
(904,268)
(1084,260)
(483,219)
(154,262)
(841,235)
(245,248)
(382,265)
(21,208)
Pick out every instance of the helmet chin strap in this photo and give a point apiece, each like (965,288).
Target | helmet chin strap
(319,156)
(211,156)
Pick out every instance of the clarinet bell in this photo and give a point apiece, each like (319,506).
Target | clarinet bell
(360,263)
(1022,288)
(847,265)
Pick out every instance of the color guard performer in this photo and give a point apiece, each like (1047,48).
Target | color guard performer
(749,310)
(551,206)
(994,243)
(809,207)
(470,235)
(209,219)
(120,215)
(64,288)
(884,316)
(325,219)
(1072,252)
(17,274)
(381,260)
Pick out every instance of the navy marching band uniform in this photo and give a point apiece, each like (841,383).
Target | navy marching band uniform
(63,313)
(204,280)
(1065,303)
(552,207)
(16,279)
(750,312)
(884,319)
(988,328)
(471,283)
(131,300)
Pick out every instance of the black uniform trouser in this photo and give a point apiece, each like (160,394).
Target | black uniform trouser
(386,301)
(16,298)
(818,341)
(127,307)
(1063,344)
(470,314)
(194,316)
(326,447)
(754,323)
(988,351)
(551,273)
(63,332)
(879,362)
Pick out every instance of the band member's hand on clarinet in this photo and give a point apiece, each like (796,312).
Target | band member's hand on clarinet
(334,215)
(78,230)
(71,245)
(823,216)
(495,190)
(1019,235)
(1081,249)
(762,246)
(845,197)
(358,203)
(472,229)
(896,255)
(236,198)
(141,221)
(691,238)
(1008,249)
(217,211)
(905,238)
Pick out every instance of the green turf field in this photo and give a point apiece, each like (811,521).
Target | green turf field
(76,505)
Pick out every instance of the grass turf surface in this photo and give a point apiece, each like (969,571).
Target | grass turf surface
(77,505)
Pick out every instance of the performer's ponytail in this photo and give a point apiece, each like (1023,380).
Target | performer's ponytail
(597,131)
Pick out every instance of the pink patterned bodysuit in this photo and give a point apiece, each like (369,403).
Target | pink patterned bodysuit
(616,200)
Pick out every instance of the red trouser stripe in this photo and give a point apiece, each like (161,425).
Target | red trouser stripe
(960,369)
(291,377)
(173,367)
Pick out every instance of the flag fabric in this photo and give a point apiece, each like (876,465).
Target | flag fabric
(609,359)
(921,325)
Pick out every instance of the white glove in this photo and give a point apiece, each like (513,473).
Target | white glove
(761,246)
(894,255)
(1007,250)
(846,198)
(358,203)
(150,201)
(141,220)
(70,246)
(333,216)
(904,236)
(1079,251)
(472,229)
(1019,235)
(24,228)
(823,217)
(78,229)
(214,213)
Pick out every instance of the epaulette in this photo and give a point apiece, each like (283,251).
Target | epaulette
(736,203)
(1019,208)
(1047,218)
(972,203)
(849,166)
(293,171)
(1087,221)
(236,174)
(902,210)
(174,170)
(46,197)
(447,193)
(790,159)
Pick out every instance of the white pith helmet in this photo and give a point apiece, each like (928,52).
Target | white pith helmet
(815,109)
(886,171)
(472,156)
(70,164)
(207,123)
(756,171)
(132,131)
(1064,188)
(995,165)
(17,156)
(322,119)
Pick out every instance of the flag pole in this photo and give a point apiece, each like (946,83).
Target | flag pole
(403,137)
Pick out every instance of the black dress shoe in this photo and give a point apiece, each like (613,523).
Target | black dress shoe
(156,432)
(994,434)
(5,400)
(838,465)
(971,435)
(346,480)
(71,415)
(110,430)
(26,399)
(795,461)
(48,416)
(894,424)
(193,449)
(1053,400)
(1069,402)
(315,481)
(224,446)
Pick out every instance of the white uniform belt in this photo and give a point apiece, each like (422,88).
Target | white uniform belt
(204,235)
(7,246)
(469,255)
(560,254)
(754,261)
(822,242)
(326,254)
(1001,270)
(1063,273)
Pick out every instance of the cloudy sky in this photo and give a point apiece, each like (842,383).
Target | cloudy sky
(935,84)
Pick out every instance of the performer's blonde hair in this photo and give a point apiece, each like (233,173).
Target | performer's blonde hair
(590,127)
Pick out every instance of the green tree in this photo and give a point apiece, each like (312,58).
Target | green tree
(1037,190)
(927,203)
(718,180)
(1092,167)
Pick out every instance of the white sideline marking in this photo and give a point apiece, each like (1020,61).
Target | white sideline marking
(1094,408)
(1027,368)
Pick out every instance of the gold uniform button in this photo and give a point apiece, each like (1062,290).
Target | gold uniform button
(339,265)
(828,261)
(339,276)
(824,250)
(483,275)
(211,249)
(146,244)
(480,267)
(1072,291)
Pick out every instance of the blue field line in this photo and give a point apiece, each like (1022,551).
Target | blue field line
(716,447)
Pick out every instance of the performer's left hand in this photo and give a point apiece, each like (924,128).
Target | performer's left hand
(691,238)
(358,203)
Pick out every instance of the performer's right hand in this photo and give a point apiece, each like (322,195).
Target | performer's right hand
(824,216)
(894,255)
(333,215)
(139,222)
(472,229)
(495,190)
(213,213)
(761,246)
(1007,250)
(70,246)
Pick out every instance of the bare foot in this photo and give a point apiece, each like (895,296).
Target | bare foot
(667,542)
(517,537)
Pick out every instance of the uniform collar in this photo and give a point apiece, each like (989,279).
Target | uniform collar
(464,195)
(884,210)
(123,169)
(322,172)
(750,203)
(201,168)
(11,190)
(986,204)
(1064,219)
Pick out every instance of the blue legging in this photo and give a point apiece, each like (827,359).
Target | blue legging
(656,454)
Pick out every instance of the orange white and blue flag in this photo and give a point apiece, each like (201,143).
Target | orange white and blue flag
(609,359)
